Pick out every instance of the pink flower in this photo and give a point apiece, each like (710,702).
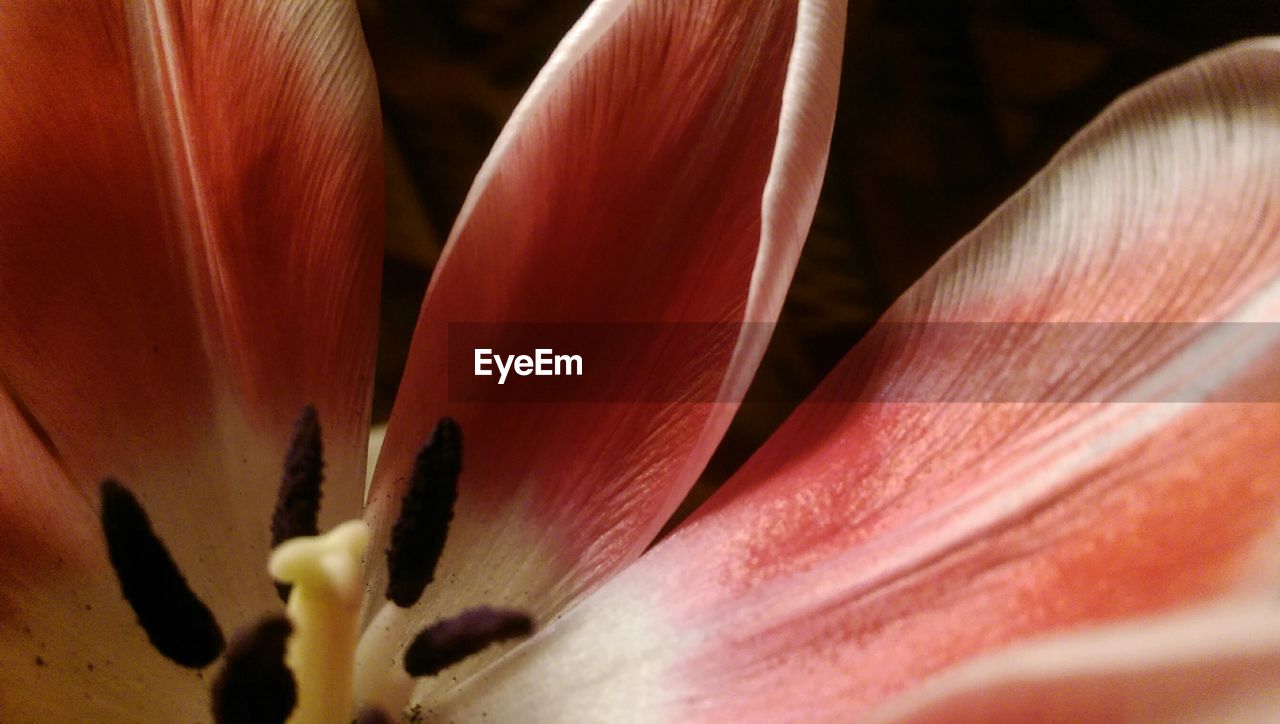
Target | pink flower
(188,256)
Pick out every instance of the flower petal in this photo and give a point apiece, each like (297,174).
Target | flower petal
(906,518)
(663,169)
(70,648)
(1213,664)
(190,216)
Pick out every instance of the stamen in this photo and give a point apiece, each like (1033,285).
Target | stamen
(328,583)
(417,540)
(255,686)
(178,624)
(373,715)
(298,503)
(447,642)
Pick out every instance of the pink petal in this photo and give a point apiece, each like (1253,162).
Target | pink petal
(191,214)
(905,518)
(1215,664)
(663,168)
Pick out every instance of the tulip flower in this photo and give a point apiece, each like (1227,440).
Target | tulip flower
(188,253)
(190,217)
(1043,488)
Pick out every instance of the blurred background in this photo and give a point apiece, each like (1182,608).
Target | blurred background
(946,108)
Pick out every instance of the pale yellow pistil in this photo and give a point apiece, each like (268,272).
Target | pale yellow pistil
(327,574)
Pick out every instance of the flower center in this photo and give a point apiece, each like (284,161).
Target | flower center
(313,665)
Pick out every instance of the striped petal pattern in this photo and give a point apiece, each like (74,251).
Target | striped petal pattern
(662,169)
(1214,663)
(189,252)
(943,495)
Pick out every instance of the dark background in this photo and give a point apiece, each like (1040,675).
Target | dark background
(945,109)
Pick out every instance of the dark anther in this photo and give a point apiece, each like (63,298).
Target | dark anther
(373,716)
(298,504)
(417,540)
(255,686)
(447,642)
(179,625)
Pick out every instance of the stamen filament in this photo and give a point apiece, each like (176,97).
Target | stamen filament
(380,680)
(324,606)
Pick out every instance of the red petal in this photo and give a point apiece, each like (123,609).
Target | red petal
(1218,664)
(191,214)
(898,523)
(663,168)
